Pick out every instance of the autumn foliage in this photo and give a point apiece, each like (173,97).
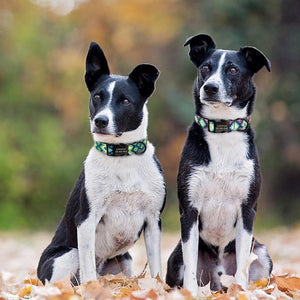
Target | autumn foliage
(142,288)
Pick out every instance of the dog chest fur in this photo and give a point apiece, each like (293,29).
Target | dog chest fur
(218,189)
(122,192)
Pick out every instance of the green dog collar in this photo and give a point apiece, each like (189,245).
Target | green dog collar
(221,126)
(122,149)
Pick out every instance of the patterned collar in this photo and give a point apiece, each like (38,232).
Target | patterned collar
(138,147)
(221,126)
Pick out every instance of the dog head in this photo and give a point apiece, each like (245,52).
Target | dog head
(117,103)
(224,84)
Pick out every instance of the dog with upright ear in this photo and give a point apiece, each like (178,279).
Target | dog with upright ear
(96,65)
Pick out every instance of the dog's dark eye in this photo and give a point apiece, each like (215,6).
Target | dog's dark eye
(233,70)
(97,97)
(205,68)
(125,101)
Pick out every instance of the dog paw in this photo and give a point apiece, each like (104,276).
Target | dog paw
(242,280)
(192,286)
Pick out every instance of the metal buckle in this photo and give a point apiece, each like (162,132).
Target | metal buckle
(221,126)
(120,149)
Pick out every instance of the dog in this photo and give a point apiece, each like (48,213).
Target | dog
(120,192)
(219,176)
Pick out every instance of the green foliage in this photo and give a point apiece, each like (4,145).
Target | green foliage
(44,128)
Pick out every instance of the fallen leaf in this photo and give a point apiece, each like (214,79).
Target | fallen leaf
(234,290)
(64,285)
(259,284)
(186,293)
(25,291)
(223,297)
(287,283)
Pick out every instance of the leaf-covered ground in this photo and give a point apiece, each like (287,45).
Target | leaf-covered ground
(19,254)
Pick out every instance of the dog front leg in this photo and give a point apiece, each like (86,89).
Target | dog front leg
(244,235)
(152,235)
(189,241)
(86,250)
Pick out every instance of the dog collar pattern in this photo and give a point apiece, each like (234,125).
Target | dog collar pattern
(122,149)
(221,126)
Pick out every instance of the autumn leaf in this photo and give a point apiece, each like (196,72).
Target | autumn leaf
(287,283)
(25,291)
(234,290)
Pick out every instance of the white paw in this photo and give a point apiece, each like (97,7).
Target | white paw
(242,280)
(192,286)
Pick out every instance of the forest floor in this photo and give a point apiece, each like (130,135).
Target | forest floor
(20,252)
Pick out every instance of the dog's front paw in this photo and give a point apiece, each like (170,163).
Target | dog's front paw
(242,280)
(192,286)
(86,277)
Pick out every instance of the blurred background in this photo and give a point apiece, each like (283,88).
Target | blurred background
(44,126)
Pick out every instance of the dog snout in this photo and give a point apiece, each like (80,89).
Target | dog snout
(211,88)
(101,121)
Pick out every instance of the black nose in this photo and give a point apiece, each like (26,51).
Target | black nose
(211,88)
(101,121)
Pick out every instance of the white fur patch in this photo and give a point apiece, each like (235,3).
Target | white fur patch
(107,112)
(216,77)
(217,190)
(123,193)
(64,265)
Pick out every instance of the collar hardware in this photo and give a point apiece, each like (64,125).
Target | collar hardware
(137,148)
(221,126)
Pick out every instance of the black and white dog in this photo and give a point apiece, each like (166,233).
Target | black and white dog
(219,176)
(121,190)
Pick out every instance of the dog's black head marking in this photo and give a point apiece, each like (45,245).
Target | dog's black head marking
(224,77)
(116,102)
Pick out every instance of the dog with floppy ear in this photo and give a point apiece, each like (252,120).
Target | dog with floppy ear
(219,176)
(120,191)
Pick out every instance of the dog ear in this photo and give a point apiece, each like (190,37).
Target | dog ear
(95,66)
(144,76)
(200,46)
(255,59)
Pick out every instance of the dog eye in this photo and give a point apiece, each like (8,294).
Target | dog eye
(205,68)
(97,97)
(125,101)
(233,70)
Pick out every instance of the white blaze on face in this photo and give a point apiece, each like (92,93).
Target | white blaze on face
(107,112)
(217,77)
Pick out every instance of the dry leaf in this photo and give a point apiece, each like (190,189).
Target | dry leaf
(186,293)
(204,291)
(223,297)
(25,291)
(242,296)
(234,290)
(259,284)
(64,285)
(287,283)
(96,290)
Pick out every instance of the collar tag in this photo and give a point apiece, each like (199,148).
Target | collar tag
(221,126)
(119,150)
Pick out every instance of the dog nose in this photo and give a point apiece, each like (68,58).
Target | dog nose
(211,88)
(101,121)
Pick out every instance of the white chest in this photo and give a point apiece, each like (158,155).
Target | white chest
(122,192)
(218,189)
